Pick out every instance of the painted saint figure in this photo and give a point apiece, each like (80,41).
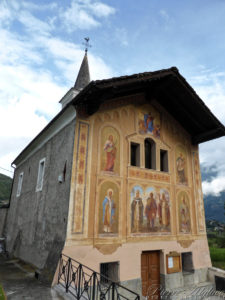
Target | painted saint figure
(184,216)
(110,150)
(181,168)
(164,211)
(149,122)
(151,211)
(137,212)
(108,211)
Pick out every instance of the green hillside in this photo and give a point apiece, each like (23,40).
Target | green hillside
(5,189)
(214,207)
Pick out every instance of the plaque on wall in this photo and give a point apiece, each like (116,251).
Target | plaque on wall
(173,262)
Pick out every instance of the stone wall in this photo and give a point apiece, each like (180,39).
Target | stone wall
(37,221)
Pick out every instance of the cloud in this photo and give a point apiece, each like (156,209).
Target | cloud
(84,14)
(122,36)
(36,70)
(33,24)
(214,187)
(210,86)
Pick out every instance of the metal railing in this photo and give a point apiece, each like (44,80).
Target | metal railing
(86,284)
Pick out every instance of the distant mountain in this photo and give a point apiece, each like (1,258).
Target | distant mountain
(5,189)
(214,205)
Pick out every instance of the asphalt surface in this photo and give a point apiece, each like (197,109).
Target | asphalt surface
(19,283)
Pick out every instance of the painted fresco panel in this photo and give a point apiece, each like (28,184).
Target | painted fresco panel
(149,121)
(81,169)
(108,208)
(150,209)
(110,150)
(181,165)
(184,216)
(198,193)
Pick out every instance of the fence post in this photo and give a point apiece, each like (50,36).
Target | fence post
(68,275)
(113,290)
(93,288)
(59,271)
(79,281)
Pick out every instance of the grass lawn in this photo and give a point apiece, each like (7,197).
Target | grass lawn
(217,250)
(2,295)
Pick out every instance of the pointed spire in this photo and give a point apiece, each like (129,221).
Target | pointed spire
(83,77)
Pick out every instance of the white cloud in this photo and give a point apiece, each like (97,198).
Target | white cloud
(214,187)
(210,86)
(5,13)
(101,10)
(121,36)
(33,24)
(36,70)
(42,7)
(83,14)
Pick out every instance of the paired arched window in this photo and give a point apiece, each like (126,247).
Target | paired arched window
(149,155)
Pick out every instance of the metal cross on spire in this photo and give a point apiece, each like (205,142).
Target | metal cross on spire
(86,44)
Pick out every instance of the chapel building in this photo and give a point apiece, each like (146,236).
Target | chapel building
(114,182)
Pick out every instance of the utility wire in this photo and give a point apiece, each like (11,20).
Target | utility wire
(6,170)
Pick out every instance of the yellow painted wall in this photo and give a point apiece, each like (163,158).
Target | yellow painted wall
(108,195)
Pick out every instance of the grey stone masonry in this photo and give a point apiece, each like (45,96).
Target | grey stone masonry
(37,220)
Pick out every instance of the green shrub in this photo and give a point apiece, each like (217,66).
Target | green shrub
(2,295)
(221,242)
(217,254)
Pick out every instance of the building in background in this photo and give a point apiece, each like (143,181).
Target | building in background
(114,182)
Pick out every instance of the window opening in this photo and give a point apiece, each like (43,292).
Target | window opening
(135,154)
(109,271)
(19,187)
(150,154)
(164,161)
(41,171)
(187,262)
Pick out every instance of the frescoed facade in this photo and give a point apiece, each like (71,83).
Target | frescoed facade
(141,190)
(122,181)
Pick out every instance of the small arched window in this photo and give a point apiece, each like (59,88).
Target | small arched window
(150,154)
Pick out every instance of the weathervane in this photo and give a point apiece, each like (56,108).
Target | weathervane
(86,44)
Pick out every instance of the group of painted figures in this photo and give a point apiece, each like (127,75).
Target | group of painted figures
(151,217)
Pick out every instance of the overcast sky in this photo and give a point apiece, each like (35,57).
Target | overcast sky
(41,51)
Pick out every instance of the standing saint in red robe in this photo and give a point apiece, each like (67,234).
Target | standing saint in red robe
(110,150)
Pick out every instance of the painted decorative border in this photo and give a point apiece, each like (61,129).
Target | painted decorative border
(80,179)
(141,174)
(198,193)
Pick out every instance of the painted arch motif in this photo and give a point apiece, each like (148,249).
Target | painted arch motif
(110,150)
(108,208)
(150,210)
(181,165)
(149,121)
(184,212)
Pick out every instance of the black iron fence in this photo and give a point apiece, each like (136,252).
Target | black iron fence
(86,284)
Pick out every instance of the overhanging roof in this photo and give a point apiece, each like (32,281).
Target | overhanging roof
(169,88)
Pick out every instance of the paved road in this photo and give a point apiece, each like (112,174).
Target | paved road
(19,283)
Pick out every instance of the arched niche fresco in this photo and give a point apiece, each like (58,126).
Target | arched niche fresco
(108,208)
(184,216)
(149,121)
(150,210)
(164,210)
(110,150)
(181,165)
